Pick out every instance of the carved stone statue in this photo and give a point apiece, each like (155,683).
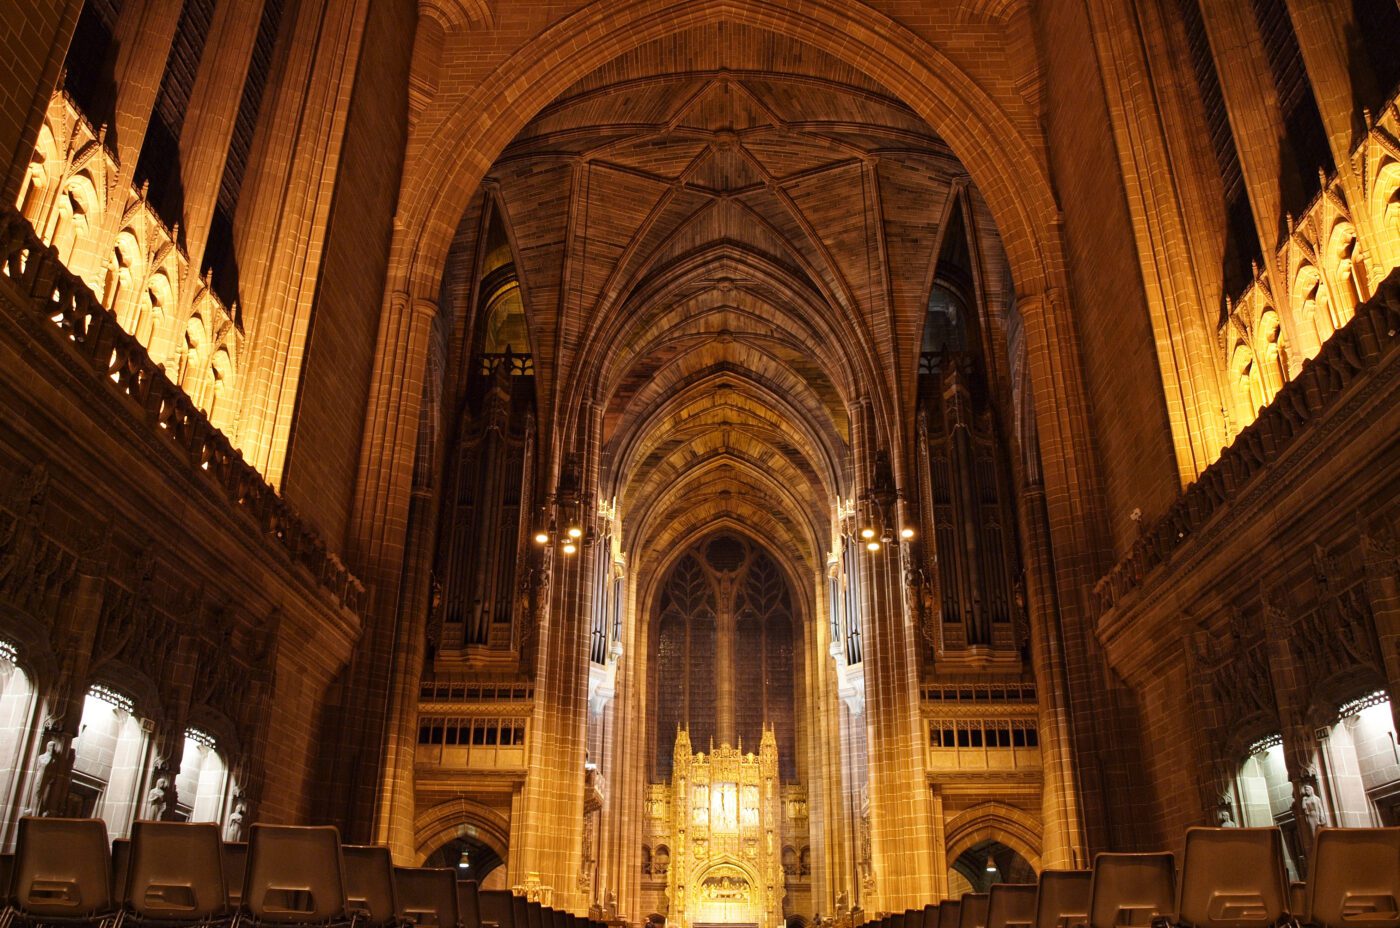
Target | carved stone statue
(1224,816)
(48,774)
(236,829)
(159,799)
(1311,810)
(661,861)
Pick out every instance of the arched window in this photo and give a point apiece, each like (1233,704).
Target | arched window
(685,660)
(1360,768)
(1261,793)
(203,781)
(109,761)
(16,716)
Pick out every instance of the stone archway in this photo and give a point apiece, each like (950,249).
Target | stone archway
(724,891)
(994,821)
(441,824)
(467,140)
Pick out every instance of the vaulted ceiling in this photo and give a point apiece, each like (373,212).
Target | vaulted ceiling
(729,264)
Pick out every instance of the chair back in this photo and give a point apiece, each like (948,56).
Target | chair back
(7,869)
(235,870)
(121,864)
(1233,878)
(497,907)
(62,868)
(176,872)
(929,919)
(1298,898)
(534,914)
(1130,889)
(427,896)
(912,918)
(520,906)
(469,903)
(949,911)
(1011,905)
(1062,899)
(369,884)
(1354,878)
(294,874)
(973,913)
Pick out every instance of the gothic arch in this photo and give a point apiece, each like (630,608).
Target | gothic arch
(480,126)
(439,824)
(994,821)
(462,145)
(648,595)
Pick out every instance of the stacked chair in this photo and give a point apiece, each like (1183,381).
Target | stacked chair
(427,896)
(370,886)
(182,875)
(1228,878)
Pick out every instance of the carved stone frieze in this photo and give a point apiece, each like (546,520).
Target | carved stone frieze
(34,568)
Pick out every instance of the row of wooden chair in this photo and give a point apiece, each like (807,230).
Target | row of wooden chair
(1229,878)
(175,874)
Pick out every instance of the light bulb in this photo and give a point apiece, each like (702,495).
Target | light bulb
(906,533)
(872,545)
(575,531)
(570,548)
(867,533)
(991,864)
(464,862)
(541,538)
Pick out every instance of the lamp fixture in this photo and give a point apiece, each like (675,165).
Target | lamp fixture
(867,533)
(541,537)
(906,533)
(872,545)
(570,548)
(575,531)
(464,862)
(991,864)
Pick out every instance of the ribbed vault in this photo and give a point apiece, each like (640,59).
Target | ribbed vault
(724,262)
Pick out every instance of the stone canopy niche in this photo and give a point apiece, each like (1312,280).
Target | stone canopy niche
(726,821)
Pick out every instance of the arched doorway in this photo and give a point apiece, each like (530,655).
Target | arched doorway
(984,864)
(473,860)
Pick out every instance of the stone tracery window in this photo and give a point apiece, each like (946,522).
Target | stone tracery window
(725,596)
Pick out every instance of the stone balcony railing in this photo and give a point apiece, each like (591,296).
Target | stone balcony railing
(1358,349)
(57,301)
